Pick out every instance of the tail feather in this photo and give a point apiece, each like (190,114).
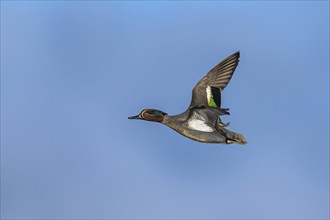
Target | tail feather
(236,138)
(232,137)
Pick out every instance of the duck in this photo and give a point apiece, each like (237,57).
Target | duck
(201,121)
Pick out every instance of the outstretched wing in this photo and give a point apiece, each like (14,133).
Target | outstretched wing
(207,91)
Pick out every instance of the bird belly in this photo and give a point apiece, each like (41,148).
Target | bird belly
(208,137)
(201,136)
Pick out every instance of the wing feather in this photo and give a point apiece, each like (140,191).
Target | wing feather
(218,77)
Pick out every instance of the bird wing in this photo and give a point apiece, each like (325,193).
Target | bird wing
(203,118)
(207,91)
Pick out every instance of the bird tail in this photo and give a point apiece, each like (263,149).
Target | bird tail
(236,138)
(232,137)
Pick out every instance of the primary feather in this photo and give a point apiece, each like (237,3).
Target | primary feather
(217,79)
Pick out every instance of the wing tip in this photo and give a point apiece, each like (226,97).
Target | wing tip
(237,54)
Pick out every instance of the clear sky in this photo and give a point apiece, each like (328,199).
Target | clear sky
(72,72)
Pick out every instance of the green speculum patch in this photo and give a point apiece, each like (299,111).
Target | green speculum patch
(212,103)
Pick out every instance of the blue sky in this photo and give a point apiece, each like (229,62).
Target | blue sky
(72,72)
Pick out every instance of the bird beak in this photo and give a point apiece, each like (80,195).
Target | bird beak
(135,117)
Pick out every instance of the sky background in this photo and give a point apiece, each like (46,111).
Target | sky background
(72,72)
